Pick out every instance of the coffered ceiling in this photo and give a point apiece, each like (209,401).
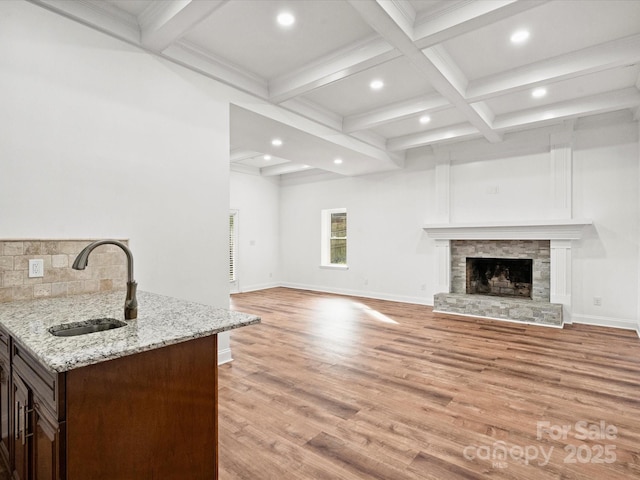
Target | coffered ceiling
(449,69)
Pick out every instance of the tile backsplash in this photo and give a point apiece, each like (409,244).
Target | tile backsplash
(107,269)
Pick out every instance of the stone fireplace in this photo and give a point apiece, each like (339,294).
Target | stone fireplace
(518,272)
(503,254)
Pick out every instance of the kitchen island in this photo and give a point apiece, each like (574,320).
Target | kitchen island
(135,402)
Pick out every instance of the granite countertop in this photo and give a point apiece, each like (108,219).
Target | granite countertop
(161,321)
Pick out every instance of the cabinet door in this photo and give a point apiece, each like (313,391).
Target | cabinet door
(21,428)
(5,411)
(46,445)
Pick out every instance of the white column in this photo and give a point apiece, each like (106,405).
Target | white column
(561,276)
(443,186)
(443,266)
(562,173)
(224,348)
(443,215)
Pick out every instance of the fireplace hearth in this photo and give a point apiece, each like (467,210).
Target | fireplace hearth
(510,278)
(503,277)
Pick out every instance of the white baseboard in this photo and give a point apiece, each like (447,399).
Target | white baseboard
(259,286)
(224,356)
(362,293)
(624,323)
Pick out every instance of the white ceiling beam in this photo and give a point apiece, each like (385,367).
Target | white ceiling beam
(329,69)
(602,103)
(163,23)
(380,159)
(393,112)
(444,77)
(238,155)
(447,67)
(313,111)
(99,15)
(601,57)
(282,169)
(375,140)
(456,132)
(195,58)
(402,13)
(465,17)
(247,169)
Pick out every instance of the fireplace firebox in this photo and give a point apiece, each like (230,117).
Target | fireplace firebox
(506,277)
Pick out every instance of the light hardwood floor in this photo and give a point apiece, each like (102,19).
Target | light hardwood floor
(336,387)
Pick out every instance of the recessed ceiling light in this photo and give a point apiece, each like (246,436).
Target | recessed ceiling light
(424,119)
(520,36)
(267,157)
(337,161)
(276,142)
(376,84)
(286,19)
(539,92)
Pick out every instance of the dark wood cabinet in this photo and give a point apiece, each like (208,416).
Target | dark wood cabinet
(22,420)
(46,443)
(148,415)
(5,397)
(37,410)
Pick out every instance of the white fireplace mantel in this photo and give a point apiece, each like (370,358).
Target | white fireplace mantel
(529,230)
(559,232)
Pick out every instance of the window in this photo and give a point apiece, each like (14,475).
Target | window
(233,245)
(334,238)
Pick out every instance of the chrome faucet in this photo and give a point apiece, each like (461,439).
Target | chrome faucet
(130,302)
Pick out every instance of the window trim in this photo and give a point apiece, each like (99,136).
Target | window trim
(335,266)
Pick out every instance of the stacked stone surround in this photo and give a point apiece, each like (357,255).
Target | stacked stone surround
(537,310)
(538,250)
(107,270)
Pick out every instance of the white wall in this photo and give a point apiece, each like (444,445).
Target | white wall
(606,190)
(389,256)
(501,188)
(257,200)
(100,139)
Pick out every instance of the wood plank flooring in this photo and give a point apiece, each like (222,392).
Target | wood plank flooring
(334,387)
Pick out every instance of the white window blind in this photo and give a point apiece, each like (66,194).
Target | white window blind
(233,242)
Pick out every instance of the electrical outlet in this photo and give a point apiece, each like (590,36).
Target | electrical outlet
(597,301)
(36,268)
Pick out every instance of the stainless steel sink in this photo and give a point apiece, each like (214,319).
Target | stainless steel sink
(88,326)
